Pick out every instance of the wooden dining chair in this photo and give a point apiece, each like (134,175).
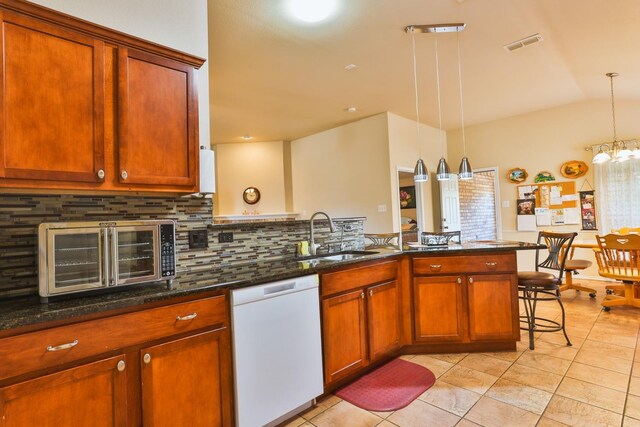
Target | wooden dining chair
(618,258)
(382,240)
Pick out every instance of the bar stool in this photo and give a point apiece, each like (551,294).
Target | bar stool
(535,286)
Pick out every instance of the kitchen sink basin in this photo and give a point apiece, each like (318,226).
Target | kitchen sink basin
(339,256)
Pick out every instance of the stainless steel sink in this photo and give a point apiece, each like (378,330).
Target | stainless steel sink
(339,256)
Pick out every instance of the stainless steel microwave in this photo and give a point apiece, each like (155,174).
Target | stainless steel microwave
(83,256)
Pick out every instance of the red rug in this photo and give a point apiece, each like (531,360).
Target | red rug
(390,387)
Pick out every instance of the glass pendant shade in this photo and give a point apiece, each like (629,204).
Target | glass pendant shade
(420,173)
(465,171)
(601,157)
(442,173)
(623,155)
(636,153)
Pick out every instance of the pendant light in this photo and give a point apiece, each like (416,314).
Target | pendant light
(442,173)
(420,173)
(464,171)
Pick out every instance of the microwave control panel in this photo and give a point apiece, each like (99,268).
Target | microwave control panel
(167,251)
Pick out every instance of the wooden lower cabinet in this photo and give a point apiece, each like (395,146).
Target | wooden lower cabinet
(439,309)
(344,334)
(383,316)
(94,394)
(491,306)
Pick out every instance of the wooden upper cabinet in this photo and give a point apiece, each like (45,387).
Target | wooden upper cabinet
(384,319)
(187,382)
(52,102)
(158,121)
(493,307)
(94,394)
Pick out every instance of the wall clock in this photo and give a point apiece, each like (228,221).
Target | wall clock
(251,195)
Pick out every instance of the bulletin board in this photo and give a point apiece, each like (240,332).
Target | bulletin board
(547,204)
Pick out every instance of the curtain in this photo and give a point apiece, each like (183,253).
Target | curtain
(617,195)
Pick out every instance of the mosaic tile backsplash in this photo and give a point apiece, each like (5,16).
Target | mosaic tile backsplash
(20,216)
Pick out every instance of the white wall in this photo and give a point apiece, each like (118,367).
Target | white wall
(404,152)
(345,172)
(176,24)
(256,164)
(543,140)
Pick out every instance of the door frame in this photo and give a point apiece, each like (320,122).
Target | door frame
(496,188)
(419,201)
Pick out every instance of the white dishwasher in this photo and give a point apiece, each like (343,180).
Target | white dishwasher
(276,349)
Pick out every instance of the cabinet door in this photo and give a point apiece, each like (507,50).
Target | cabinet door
(384,319)
(158,121)
(51,101)
(187,382)
(493,307)
(94,394)
(344,335)
(439,311)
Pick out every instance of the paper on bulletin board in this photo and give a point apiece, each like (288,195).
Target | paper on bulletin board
(557,216)
(556,195)
(570,198)
(543,216)
(544,197)
(571,215)
(526,223)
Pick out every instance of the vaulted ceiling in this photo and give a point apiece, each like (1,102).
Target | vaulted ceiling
(276,78)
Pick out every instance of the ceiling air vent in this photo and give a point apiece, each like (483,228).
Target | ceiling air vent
(527,41)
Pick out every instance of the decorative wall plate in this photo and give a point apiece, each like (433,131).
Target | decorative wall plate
(517,175)
(574,169)
(544,176)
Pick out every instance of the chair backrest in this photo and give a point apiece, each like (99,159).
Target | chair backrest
(558,247)
(618,256)
(382,241)
(442,238)
(626,230)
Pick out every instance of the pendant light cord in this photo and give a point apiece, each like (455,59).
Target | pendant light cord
(435,41)
(415,87)
(464,141)
(613,108)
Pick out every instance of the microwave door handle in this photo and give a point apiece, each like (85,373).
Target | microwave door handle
(113,255)
(105,257)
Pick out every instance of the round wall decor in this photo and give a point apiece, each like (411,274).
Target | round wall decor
(251,195)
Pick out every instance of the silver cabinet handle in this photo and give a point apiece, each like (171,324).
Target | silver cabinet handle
(459,280)
(100,174)
(435,266)
(124,174)
(146,358)
(491,264)
(121,366)
(187,317)
(63,346)
(471,280)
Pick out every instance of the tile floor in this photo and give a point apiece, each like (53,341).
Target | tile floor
(594,383)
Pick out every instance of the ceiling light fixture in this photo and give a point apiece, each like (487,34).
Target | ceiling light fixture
(443,172)
(247,137)
(350,67)
(420,172)
(352,109)
(616,151)
(312,11)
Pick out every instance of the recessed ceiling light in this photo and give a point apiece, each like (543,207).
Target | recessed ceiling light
(350,67)
(312,10)
(247,137)
(352,109)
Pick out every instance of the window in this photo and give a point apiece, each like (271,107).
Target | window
(617,195)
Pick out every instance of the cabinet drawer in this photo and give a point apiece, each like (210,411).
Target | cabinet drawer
(33,351)
(464,264)
(340,281)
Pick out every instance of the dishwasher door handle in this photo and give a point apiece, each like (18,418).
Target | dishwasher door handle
(279,288)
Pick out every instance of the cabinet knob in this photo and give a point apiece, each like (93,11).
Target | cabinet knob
(362,295)
(459,280)
(146,358)
(100,174)
(471,280)
(121,366)
(124,174)
(370,292)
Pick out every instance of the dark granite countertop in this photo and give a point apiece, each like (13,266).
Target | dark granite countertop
(26,311)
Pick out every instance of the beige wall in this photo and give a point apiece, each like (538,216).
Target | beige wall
(403,153)
(543,140)
(242,165)
(345,172)
(180,25)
